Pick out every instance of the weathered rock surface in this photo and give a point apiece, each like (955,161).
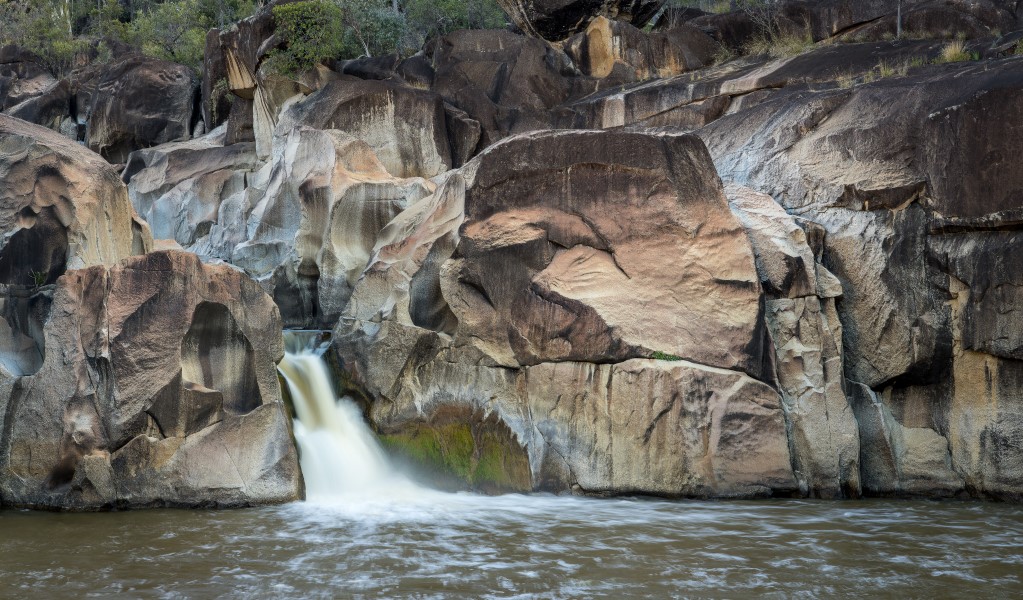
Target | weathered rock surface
(61,207)
(539,239)
(405,127)
(921,238)
(616,49)
(158,388)
(136,102)
(555,20)
(546,272)
(807,338)
(508,83)
(590,310)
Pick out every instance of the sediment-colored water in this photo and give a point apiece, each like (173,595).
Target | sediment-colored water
(368,531)
(445,545)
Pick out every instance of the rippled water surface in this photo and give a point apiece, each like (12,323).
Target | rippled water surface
(443,545)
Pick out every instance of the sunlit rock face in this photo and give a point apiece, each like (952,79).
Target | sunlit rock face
(61,207)
(158,388)
(615,49)
(912,184)
(576,257)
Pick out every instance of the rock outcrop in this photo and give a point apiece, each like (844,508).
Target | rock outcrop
(135,102)
(157,388)
(62,207)
(907,225)
(538,309)
(543,314)
(555,20)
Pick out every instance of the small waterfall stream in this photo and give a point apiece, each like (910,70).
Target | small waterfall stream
(340,457)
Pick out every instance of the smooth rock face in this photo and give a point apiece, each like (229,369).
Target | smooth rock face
(807,338)
(921,240)
(137,102)
(546,271)
(61,207)
(158,388)
(405,127)
(553,223)
(555,20)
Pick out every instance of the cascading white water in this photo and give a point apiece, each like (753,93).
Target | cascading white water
(340,457)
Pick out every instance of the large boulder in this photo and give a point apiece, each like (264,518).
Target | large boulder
(61,207)
(136,102)
(920,238)
(545,272)
(536,314)
(158,388)
(406,127)
(508,83)
(179,187)
(555,20)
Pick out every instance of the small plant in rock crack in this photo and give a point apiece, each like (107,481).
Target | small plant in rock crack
(38,278)
(665,356)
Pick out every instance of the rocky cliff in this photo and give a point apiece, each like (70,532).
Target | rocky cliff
(589,257)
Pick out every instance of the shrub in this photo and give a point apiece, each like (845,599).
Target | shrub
(174,31)
(665,356)
(780,45)
(954,51)
(431,18)
(312,30)
(44,28)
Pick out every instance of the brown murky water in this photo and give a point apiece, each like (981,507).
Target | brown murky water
(445,545)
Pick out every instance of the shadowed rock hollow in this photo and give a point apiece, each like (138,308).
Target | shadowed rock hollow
(165,394)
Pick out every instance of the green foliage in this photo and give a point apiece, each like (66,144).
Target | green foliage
(175,30)
(431,18)
(313,31)
(38,278)
(665,356)
(42,27)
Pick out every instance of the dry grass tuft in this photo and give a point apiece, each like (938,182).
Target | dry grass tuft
(954,51)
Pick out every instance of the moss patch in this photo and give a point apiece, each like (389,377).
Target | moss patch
(461,450)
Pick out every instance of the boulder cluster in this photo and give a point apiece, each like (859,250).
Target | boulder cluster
(580,256)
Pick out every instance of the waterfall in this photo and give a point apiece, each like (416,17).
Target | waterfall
(340,456)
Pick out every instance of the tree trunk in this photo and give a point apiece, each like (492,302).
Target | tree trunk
(898,22)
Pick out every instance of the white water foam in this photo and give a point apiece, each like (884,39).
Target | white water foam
(341,460)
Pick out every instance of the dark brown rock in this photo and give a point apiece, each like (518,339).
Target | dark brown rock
(136,102)
(555,20)
(508,83)
(48,109)
(615,49)
(545,272)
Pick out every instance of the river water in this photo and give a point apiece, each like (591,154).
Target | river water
(521,547)
(367,531)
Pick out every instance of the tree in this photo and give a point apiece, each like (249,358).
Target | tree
(312,31)
(44,28)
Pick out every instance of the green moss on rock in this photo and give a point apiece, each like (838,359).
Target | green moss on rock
(463,451)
